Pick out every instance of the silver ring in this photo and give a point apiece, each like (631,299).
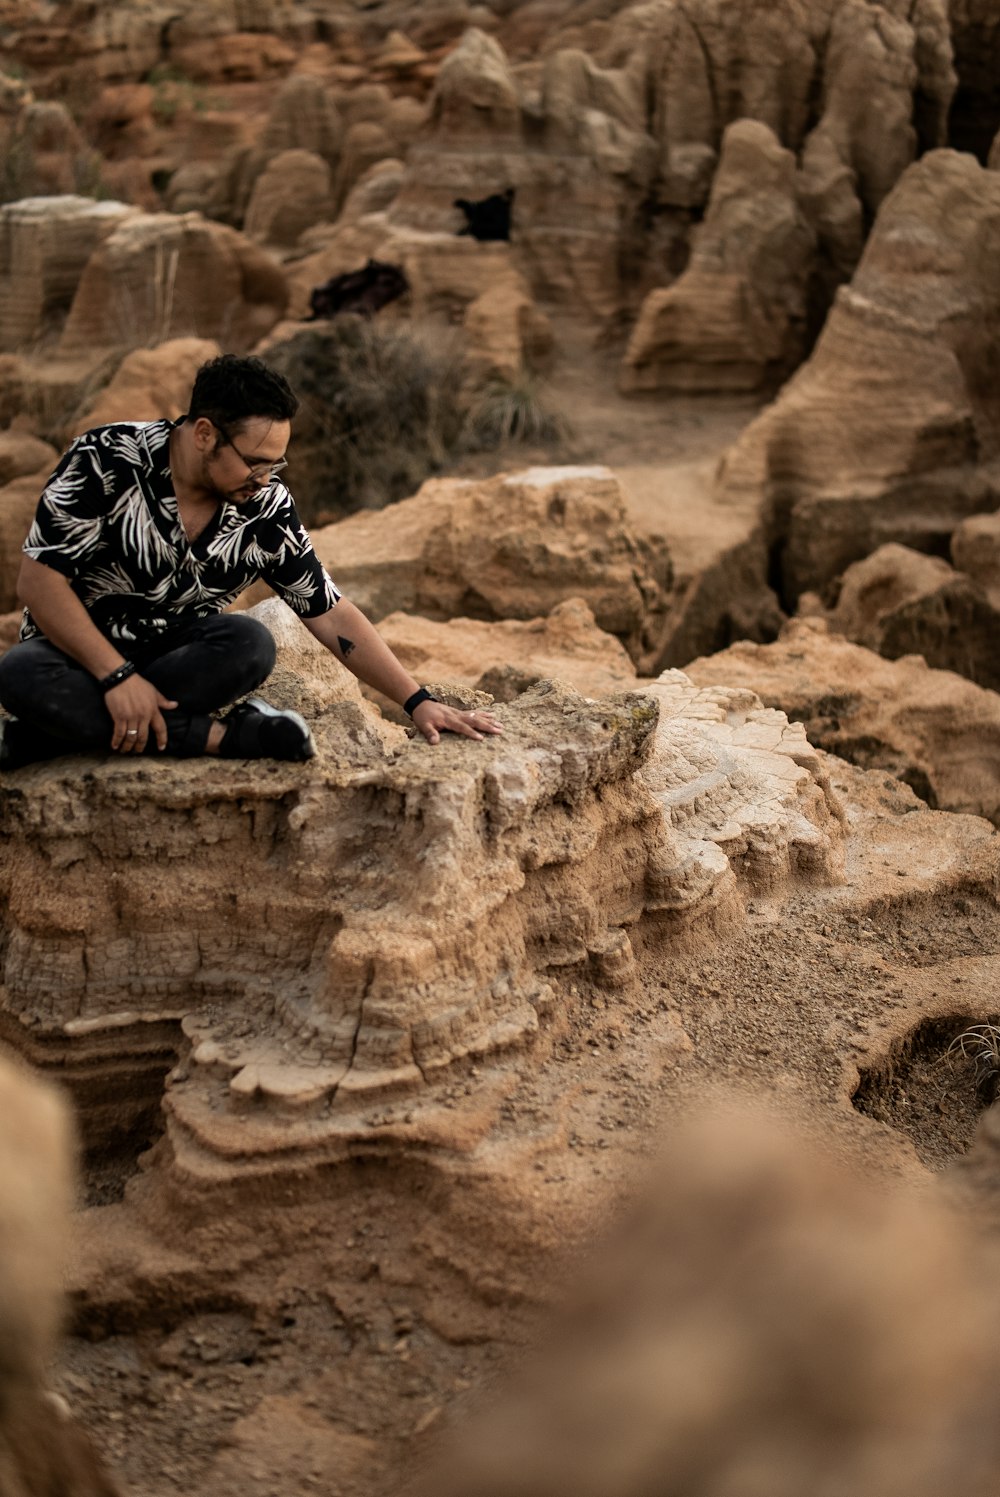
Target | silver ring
(131,732)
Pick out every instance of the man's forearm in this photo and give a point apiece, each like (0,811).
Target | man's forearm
(356,642)
(63,620)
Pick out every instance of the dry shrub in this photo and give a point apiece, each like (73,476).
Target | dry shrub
(378,412)
(506,411)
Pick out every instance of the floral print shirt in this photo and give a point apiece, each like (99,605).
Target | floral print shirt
(108,520)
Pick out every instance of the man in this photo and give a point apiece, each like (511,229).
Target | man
(143,535)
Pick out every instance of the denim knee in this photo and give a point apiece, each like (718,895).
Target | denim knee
(18,668)
(251,647)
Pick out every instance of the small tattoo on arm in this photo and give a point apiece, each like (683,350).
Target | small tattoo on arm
(346,645)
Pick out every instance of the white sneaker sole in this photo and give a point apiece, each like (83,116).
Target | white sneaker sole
(308,745)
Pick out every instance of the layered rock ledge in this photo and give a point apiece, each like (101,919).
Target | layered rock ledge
(308,939)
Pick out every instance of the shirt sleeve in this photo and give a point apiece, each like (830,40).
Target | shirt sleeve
(297,575)
(66,530)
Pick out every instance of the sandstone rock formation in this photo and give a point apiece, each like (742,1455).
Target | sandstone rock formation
(291,194)
(304,117)
(804,70)
(743,794)
(476,94)
(451,279)
(358,1015)
(888,432)
(373,192)
(507,335)
(42,1452)
(149,384)
(159,276)
(506,549)
(230,56)
(21,453)
(365,144)
(18,502)
(220,182)
(505,658)
(737,317)
(121,121)
(935,731)
(475,144)
(975,550)
(121,44)
(404,930)
(44,150)
(45,243)
(900,602)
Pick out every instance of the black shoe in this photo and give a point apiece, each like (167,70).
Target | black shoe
(6,752)
(256,730)
(12,754)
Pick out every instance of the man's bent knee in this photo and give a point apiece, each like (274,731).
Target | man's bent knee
(19,673)
(250,644)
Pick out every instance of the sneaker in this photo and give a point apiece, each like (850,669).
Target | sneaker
(256,730)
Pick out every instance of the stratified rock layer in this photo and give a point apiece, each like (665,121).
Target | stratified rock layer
(159,276)
(45,243)
(312,937)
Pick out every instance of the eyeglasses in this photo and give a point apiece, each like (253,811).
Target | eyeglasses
(256,469)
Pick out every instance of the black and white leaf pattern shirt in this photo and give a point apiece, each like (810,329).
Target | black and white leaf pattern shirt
(108,520)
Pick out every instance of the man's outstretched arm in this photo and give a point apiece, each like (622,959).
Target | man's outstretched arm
(356,643)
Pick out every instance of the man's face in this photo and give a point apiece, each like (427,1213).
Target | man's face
(236,464)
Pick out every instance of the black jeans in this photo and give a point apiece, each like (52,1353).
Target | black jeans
(60,709)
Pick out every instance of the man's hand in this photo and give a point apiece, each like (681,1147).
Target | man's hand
(434,718)
(135,706)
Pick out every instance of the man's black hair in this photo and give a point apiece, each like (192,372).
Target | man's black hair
(230,390)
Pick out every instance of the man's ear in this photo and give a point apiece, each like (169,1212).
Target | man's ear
(205,434)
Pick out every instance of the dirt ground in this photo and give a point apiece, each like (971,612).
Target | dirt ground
(663,449)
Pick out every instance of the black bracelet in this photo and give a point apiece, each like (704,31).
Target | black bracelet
(117,676)
(413,702)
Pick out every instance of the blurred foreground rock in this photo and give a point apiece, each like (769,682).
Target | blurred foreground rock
(761,1323)
(43,1453)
